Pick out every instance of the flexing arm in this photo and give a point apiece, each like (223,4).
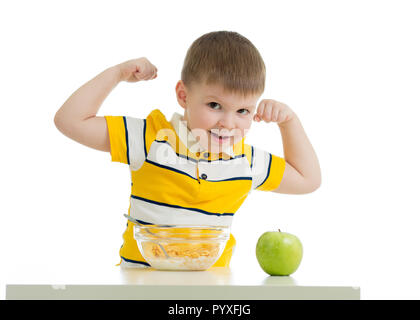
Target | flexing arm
(77,116)
(302,173)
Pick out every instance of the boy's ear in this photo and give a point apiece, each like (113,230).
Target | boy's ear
(181,94)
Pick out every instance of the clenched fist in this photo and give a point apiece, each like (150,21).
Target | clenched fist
(137,70)
(271,110)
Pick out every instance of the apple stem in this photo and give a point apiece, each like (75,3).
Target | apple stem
(279,230)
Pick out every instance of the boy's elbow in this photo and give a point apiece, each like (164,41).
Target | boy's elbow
(58,121)
(310,185)
(314,186)
(62,124)
(314,182)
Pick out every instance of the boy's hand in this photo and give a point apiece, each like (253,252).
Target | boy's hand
(137,70)
(273,111)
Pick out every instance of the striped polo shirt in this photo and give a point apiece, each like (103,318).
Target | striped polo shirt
(174,181)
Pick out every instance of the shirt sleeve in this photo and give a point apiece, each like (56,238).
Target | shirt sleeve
(126,137)
(267,170)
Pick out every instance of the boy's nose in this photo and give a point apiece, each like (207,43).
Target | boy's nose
(226,123)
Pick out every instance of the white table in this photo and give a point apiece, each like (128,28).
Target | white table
(235,283)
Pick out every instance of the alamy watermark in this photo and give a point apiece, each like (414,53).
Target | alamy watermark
(165,153)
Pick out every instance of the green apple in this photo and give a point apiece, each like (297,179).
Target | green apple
(279,253)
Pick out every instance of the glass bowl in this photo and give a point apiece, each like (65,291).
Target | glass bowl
(181,247)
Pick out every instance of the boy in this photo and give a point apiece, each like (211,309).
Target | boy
(195,169)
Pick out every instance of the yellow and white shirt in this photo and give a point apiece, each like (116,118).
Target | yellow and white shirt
(175,181)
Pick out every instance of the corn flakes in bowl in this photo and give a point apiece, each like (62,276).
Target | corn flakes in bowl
(181,247)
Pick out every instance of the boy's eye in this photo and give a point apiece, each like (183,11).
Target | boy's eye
(214,104)
(211,104)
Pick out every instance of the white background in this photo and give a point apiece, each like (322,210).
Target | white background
(349,69)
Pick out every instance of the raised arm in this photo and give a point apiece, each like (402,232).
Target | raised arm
(77,118)
(302,173)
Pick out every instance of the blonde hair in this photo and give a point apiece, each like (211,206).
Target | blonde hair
(225,58)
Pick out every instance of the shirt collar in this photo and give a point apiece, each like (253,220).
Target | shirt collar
(189,140)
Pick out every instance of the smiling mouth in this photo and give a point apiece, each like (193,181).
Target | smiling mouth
(221,138)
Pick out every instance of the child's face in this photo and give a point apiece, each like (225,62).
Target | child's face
(208,108)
